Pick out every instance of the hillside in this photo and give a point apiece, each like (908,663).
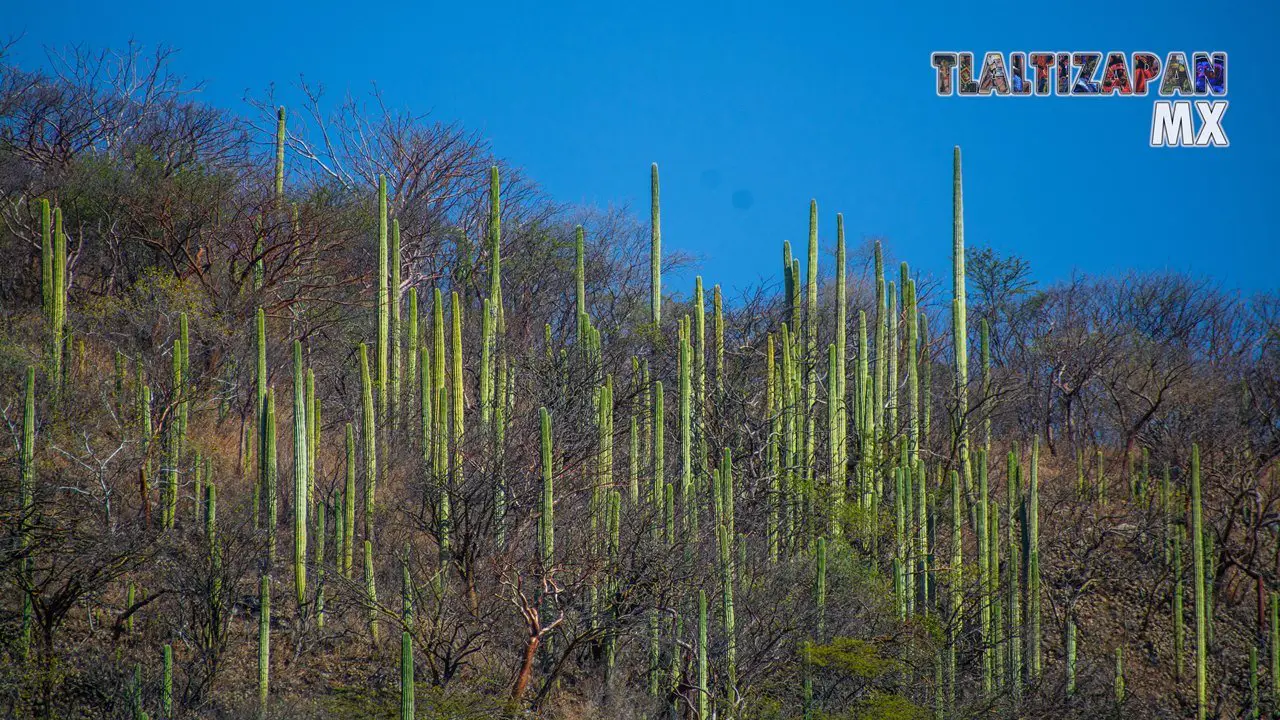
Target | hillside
(335,414)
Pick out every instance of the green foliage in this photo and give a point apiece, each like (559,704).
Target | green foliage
(852,657)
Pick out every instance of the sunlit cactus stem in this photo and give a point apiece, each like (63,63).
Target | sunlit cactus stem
(655,251)
(383,301)
(270,473)
(349,503)
(546,522)
(299,476)
(369,433)
(264,643)
(1198,558)
(395,330)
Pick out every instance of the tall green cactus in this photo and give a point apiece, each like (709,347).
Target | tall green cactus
(717,304)
(166,683)
(1198,555)
(26,503)
(841,373)
(458,401)
(264,643)
(655,251)
(383,301)
(406,677)
(394,331)
(299,476)
(957,590)
(704,688)
(1179,614)
(1070,643)
(1275,653)
(1119,681)
(371,590)
(412,348)
(270,473)
(1036,660)
(579,276)
(369,433)
(546,522)
(349,503)
(960,327)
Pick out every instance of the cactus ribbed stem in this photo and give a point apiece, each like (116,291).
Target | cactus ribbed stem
(957,590)
(546,522)
(349,503)
(1119,682)
(1033,563)
(394,331)
(371,590)
(368,432)
(264,643)
(299,477)
(1070,642)
(655,251)
(26,502)
(271,474)
(412,338)
(166,684)
(1198,558)
(458,402)
(703,689)
(717,304)
(406,677)
(383,301)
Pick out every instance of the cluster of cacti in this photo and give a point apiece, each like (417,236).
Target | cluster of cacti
(881,466)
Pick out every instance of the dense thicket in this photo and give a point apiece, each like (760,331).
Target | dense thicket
(333,413)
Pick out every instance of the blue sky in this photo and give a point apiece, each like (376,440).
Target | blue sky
(773,106)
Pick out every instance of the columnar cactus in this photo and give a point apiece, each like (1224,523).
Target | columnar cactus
(458,401)
(395,332)
(1198,555)
(406,677)
(957,589)
(371,590)
(546,522)
(841,374)
(1275,653)
(1179,615)
(773,453)
(264,643)
(383,300)
(1119,682)
(270,473)
(960,329)
(1033,563)
(369,434)
(579,276)
(26,500)
(166,684)
(299,477)
(411,351)
(704,688)
(349,503)
(655,251)
(985,550)
(1070,643)
(717,303)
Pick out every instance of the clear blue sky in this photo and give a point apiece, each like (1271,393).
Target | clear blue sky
(835,102)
